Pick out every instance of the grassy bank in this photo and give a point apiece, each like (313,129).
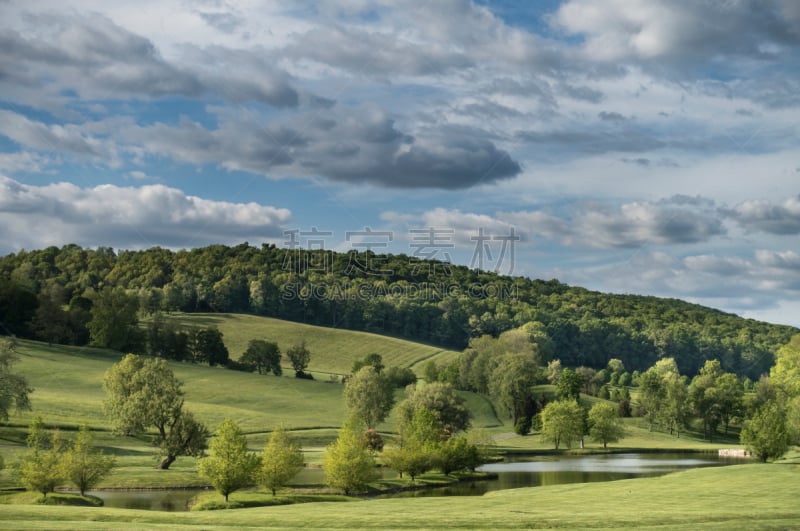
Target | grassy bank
(738,497)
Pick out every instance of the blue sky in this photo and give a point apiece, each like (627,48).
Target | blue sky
(633,146)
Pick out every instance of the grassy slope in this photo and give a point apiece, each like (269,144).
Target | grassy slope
(739,497)
(68,392)
(332,350)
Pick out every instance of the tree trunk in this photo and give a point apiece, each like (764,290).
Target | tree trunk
(605,445)
(168,461)
(273,492)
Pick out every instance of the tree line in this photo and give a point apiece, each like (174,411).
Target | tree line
(50,294)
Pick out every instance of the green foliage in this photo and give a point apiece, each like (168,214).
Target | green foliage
(454,454)
(281,461)
(300,357)
(605,425)
(766,434)
(569,385)
(373,359)
(400,376)
(230,466)
(263,356)
(785,375)
(441,400)
(582,327)
(511,382)
(144,393)
(84,467)
(523,425)
(412,458)
(562,422)
(40,468)
(369,396)
(208,347)
(348,464)
(114,320)
(14,388)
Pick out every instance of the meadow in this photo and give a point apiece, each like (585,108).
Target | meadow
(751,496)
(68,392)
(333,350)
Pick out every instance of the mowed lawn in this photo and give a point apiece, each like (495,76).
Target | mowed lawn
(67,383)
(749,497)
(333,350)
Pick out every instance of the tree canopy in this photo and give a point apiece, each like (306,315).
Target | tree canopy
(584,328)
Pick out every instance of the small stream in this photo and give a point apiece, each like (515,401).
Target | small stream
(513,473)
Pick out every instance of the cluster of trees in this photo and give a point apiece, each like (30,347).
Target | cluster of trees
(232,466)
(50,461)
(668,400)
(49,294)
(775,419)
(432,421)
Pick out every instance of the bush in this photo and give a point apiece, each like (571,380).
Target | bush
(523,425)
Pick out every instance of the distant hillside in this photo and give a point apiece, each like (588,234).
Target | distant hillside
(332,350)
(395,295)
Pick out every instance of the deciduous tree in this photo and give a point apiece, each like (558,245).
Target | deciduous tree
(605,425)
(114,320)
(348,464)
(83,466)
(766,434)
(441,399)
(299,356)
(281,461)
(562,422)
(144,393)
(14,389)
(41,468)
(230,466)
(369,396)
(265,356)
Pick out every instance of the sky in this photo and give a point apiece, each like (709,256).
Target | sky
(627,146)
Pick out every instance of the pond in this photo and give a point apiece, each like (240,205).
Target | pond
(520,472)
(513,473)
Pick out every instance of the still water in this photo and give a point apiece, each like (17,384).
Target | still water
(510,474)
(536,472)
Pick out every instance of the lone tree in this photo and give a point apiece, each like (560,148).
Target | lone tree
(348,463)
(369,396)
(299,356)
(40,469)
(263,356)
(766,434)
(14,388)
(605,424)
(230,466)
(281,461)
(82,466)
(144,393)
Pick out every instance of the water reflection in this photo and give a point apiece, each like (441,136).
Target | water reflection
(574,469)
(510,475)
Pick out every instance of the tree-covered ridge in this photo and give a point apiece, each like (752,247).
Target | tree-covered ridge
(398,295)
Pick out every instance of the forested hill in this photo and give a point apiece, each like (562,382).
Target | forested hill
(391,294)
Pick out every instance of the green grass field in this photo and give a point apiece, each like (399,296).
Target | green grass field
(749,497)
(67,384)
(332,350)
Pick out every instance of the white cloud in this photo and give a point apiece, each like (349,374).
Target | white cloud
(129,217)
